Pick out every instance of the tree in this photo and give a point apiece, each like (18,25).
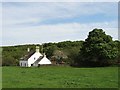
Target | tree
(9,61)
(98,49)
(118,46)
(49,50)
(59,56)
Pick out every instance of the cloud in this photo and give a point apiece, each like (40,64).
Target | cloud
(37,13)
(55,33)
(0,24)
(54,22)
(59,0)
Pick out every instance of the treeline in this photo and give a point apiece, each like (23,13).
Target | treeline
(60,51)
(97,50)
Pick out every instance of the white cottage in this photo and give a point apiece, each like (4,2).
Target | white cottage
(34,59)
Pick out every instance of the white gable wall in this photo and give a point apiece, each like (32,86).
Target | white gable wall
(44,60)
(33,58)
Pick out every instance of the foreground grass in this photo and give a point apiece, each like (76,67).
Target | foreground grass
(60,77)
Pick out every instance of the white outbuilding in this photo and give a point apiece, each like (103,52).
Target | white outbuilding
(44,60)
(34,59)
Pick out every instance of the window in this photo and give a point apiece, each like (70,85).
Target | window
(34,58)
(21,64)
(25,64)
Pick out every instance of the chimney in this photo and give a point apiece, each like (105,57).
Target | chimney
(44,55)
(37,48)
(28,49)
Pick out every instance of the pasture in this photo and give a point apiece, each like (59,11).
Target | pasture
(59,77)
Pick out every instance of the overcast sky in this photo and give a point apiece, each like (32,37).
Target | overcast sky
(43,22)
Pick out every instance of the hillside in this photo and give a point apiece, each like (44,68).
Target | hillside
(12,54)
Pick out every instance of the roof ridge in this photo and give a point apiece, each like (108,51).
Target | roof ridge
(38,59)
(28,55)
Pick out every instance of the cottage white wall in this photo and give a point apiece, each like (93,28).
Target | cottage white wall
(33,58)
(23,63)
(35,64)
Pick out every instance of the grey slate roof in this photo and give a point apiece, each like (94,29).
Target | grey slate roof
(27,56)
(38,60)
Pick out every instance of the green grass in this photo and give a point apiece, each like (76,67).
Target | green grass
(60,77)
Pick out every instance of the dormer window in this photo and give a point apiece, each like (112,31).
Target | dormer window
(34,58)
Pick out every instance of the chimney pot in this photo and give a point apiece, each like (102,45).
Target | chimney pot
(37,48)
(28,49)
(44,55)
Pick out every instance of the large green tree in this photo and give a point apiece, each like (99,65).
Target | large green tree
(98,49)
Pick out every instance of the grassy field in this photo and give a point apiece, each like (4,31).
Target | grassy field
(60,77)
